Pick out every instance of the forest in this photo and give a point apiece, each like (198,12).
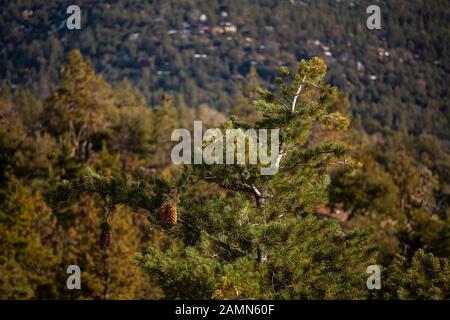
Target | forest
(87,179)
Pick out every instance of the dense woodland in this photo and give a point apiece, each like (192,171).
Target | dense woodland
(86,176)
(396,77)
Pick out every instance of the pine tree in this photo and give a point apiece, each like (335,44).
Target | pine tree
(133,136)
(405,176)
(244,109)
(27,256)
(82,106)
(185,114)
(424,276)
(165,120)
(258,237)
(93,128)
(240,244)
(125,95)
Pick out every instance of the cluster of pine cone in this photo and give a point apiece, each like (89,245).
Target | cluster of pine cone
(168,214)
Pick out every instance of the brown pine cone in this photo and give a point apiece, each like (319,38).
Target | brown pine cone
(105,236)
(168,214)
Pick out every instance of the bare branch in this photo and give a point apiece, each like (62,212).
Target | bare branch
(299,90)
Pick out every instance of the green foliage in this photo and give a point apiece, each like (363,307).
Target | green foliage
(325,263)
(244,110)
(306,259)
(83,124)
(259,239)
(22,153)
(101,157)
(116,189)
(166,118)
(422,277)
(274,248)
(27,257)
(426,231)
(303,99)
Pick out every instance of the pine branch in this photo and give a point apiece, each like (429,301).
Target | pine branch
(294,102)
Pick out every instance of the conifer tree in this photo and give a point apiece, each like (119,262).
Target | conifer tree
(125,95)
(258,238)
(27,256)
(185,114)
(133,135)
(243,110)
(95,128)
(423,276)
(81,108)
(238,245)
(165,121)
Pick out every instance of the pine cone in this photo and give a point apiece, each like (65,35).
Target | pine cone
(105,236)
(168,214)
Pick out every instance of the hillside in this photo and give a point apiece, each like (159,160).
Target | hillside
(396,77)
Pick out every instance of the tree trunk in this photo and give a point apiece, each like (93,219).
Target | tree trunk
(106,274)
(261,204)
